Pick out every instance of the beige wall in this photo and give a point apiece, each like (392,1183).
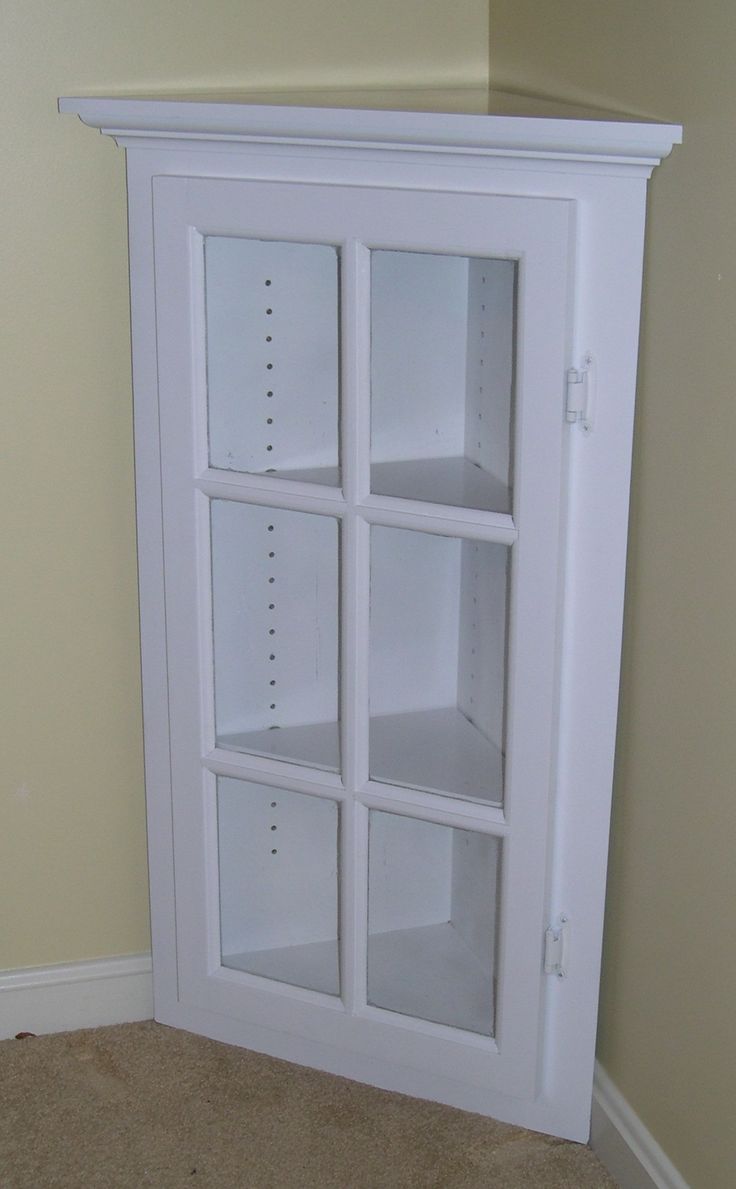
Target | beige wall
(668,1020)
(72,845)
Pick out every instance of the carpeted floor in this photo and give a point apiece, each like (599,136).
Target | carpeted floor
(141,1104)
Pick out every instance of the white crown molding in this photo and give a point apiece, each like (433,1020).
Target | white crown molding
(43,999)
(624,142)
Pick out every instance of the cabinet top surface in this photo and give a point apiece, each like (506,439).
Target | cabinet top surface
(462,118)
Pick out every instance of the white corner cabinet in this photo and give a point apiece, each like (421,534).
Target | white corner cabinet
(384,373)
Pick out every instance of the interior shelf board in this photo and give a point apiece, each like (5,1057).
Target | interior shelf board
(431,972)
(439,751)
(436,751)
(313,965)
(454,481)
(427,971)
(322,476)
(315,744)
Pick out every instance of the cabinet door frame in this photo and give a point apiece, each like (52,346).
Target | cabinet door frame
(538,234)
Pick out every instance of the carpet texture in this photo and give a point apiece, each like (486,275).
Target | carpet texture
(141,1104)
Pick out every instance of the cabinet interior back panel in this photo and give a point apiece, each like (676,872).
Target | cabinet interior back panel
(438,660)
(418,343)
(432,937)
(275,630)
(272,355)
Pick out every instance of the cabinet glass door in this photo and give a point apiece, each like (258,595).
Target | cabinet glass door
(363,642)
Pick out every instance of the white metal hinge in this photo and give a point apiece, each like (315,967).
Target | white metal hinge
(581,394)
(556,940)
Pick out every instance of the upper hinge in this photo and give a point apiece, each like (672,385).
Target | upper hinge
(581,394)
(556,943)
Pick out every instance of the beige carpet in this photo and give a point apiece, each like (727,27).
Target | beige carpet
(141,1104)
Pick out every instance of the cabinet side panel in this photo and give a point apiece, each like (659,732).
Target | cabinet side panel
(475,869)
(490,370)
(481,682)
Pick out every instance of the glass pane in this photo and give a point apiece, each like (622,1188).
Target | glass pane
(272,357)
(278,884)
(442,378)
(432,913)
(275,631)
(438,663)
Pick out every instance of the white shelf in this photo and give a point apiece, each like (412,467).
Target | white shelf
(314,965)
(325,476)
(315,744)
(439,751)
(454,481)
(430,972)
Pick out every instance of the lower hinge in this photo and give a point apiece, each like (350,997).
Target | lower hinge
(556,947)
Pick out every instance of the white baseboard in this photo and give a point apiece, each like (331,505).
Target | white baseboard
(44,999)
(622,1143)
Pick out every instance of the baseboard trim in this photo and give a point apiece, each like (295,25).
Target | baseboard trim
(45,999)
(624,1145)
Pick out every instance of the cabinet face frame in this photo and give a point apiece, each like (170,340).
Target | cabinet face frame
(608,190)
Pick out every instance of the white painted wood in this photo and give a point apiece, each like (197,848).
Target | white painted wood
(272,355)
(431,938)
(455,481)
(419,316)
(430,973)
(89,994)
(316,744)
(313,964)
(489,379)
(277,854)
(564,203)
(483,643)
(624,1145)
(438,750)
(415,604)
(275,621)
(629,142)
